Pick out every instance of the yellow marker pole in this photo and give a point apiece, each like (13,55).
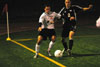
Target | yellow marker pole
(8,35)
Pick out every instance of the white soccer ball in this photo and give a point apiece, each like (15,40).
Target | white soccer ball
(58,53)
(98,23)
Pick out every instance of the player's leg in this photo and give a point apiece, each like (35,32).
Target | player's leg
(37,47)
(51,44)
(65,34)
(71,34)
(52,37)
(64,43)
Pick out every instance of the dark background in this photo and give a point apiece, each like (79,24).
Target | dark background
(30,10)
(24,14)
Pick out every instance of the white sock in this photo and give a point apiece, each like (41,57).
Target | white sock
(37,47)
(50,45)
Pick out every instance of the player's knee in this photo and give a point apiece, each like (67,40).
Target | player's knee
(39,39)
(71,36)
(39,42)
(53,38)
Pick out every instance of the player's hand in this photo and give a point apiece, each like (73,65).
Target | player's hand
(90,6)
(72,18)
(39,29)
(51,22)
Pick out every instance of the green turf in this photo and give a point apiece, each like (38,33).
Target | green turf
(86,50)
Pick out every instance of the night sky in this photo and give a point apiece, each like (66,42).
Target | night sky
(33,8)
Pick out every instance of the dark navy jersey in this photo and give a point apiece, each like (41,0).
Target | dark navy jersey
(71,12)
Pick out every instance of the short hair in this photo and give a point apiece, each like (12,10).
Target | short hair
(47,6)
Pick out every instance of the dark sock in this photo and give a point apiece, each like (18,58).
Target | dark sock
(65,45)
(70,44)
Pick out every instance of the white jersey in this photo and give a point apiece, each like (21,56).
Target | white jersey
(48,20)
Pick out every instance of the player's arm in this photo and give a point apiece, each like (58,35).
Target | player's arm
(87,8)
(61,12)
(72,18)
(58,15)
(40,28)
(41,19)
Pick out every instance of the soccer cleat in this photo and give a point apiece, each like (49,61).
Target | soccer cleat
(63,51)
(69,52)
(36,56)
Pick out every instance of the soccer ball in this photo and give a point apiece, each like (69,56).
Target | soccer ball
(98,23)
(58,53)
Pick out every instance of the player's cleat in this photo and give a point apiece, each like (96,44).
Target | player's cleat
(63,51)
(69,52)
(49,53)
(36,56)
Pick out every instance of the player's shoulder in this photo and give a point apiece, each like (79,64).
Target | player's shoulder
(43,14)
(75,5)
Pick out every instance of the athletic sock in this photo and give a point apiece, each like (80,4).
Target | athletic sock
(37,47)
(50,45)
(65,45)
(70,44)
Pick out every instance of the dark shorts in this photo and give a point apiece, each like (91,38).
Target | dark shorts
(67,29)
(47,33)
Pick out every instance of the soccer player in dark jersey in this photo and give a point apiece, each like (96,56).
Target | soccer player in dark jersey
(68,15)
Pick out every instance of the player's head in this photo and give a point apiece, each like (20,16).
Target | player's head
(47,8)
(67,3)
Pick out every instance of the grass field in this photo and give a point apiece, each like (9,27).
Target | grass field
(86,50)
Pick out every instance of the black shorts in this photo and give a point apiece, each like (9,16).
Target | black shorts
(67,29)
(47,33)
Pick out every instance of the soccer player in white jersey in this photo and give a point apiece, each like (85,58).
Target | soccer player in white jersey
(46,29)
